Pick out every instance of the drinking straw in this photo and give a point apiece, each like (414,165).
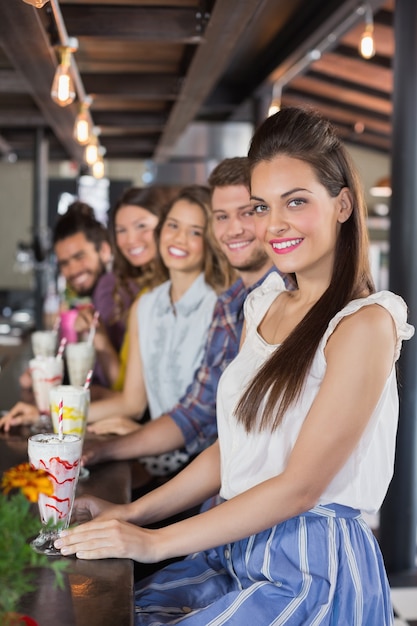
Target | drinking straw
(88,379)
(61,348)
(93,327)
(60,420)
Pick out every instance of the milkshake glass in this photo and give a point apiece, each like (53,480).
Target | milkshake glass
(61,459)
(47,372)
(80,360)
(44,342)
(76,402)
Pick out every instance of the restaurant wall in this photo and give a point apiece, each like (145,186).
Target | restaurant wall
(16,188)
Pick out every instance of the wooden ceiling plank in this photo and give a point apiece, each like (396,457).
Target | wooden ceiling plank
(341,114)
(139,3)
(356,71)
(124,119)
(143,86)
(12,82)
(328,90)
(21,118)
(161,25)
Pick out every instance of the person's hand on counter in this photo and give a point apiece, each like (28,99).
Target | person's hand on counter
(86,508)
(119,425)
(95,451)
(21,413)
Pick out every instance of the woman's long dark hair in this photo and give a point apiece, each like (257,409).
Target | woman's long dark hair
(153,199)
(305,135)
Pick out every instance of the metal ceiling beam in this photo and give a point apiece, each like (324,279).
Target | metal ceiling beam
(34,58)
(223,32)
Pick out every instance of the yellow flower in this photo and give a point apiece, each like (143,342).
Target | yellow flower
(30,481)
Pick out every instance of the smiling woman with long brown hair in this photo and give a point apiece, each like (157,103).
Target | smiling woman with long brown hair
(307,415)
(168,325)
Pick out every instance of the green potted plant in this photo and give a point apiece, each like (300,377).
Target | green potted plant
(21,486)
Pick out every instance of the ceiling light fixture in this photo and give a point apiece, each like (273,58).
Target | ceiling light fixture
(97,168)
(38,4)
(93,150)
(63,89)
(275,105)
(366,44)
(70,42)
(82,125)
(336,27)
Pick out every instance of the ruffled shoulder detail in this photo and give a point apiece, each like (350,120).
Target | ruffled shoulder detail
(260,299)
(394,304)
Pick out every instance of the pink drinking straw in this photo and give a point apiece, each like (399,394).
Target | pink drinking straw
(88,379)
(60,420)
(61,348)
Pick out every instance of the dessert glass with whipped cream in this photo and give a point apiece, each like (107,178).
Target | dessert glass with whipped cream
(80,360)
(61,459)
(44,342)
(46,372)
(76,402)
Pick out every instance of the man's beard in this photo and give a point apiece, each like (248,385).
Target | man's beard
(254,264)
(88,291)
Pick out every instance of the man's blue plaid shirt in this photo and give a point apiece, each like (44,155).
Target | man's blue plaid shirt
(195,413)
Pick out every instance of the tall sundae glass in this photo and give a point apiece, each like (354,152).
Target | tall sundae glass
(76,402)
(80,360)
(46,372)
(60,457)
(44,342)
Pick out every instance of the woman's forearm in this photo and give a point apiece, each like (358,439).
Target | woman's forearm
(196,483)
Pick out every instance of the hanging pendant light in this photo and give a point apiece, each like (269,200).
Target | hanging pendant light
(38,4)
(366,44)
(82,125)
(97,168)
(275,105)
(63,90)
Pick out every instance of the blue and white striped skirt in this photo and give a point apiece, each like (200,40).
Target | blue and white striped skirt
(323,567)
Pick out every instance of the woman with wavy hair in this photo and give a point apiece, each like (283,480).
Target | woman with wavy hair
(135,270)
(168,325)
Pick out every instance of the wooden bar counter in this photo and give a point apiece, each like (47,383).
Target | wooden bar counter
(97,593)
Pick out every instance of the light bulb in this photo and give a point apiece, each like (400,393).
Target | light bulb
(82,126)
(91,152)
(274,107)
(366,44)
(63,90)
(366,47)
(38,4)
(98,168)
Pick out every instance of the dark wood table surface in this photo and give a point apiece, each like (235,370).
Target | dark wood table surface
(97,593)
